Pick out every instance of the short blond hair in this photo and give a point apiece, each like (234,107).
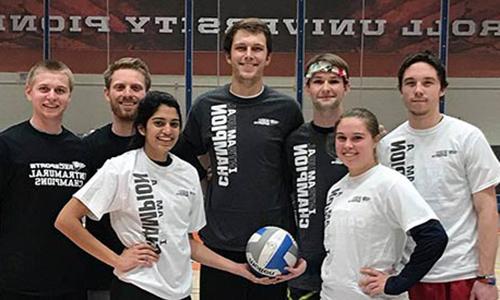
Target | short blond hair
(50,66)
(132,63)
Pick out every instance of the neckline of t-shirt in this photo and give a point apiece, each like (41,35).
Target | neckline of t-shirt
(49,135)
(247,97)
(364,175)
(155,164)
(118,137)
(429,130)
(321,129)
(166,163)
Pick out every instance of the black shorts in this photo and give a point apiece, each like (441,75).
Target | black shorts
(7,295)
(121,290)
(300,294)
(220,285)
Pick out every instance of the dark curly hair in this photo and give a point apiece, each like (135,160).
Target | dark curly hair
(147,107)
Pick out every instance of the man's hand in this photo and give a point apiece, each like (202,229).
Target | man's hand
(483,291)
(295,271)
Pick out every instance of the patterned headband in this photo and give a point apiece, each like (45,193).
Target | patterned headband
(324,66)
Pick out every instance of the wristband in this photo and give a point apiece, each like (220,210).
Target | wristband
(487,279)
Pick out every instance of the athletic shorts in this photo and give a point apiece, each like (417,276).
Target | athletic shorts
(300,294)
(7,295)
(454,290)
(220,285)
(98,295)
(121,290)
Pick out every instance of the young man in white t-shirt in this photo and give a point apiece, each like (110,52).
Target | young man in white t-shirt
(452,165)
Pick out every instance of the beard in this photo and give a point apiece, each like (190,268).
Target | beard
(124,115)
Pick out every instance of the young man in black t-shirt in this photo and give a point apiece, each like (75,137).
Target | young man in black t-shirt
(41,167)
(126,82)
(315,167)
(242,126)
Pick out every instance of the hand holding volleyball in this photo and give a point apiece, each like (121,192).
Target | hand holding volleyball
(272,252)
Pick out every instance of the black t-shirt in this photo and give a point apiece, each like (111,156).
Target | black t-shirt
(315,168)
(39,173)
(100,145)
(245,140)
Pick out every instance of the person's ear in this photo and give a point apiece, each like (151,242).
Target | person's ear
(106,95)
(27,91)
(442,92)
(268,59)
(141,130)
(347,87)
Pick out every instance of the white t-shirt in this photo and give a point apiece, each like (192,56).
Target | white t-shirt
(155,204)
(447,164)
(367,218)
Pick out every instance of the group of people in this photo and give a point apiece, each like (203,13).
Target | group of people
(409,214)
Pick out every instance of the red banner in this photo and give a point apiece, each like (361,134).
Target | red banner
(85,33)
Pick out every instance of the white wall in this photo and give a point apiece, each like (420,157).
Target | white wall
(475,100)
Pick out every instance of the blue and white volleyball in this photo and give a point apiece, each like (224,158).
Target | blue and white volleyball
(270,250)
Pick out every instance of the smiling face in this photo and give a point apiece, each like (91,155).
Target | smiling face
(50,95)
(249,56)
(161,132)
(421,90)
(355,145)
(126,89)
(326,90)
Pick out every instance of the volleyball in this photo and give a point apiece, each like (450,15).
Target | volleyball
(270,250)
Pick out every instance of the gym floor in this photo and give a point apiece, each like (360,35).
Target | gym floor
(196,279)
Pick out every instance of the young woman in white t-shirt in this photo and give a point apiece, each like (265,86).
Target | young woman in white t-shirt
(155,203)
(367,217)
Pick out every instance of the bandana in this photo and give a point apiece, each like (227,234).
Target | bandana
(323,66)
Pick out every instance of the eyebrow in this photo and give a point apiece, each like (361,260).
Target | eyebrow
(425,78)
(354,133)
(162,118)
(56,87)
(251,44)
